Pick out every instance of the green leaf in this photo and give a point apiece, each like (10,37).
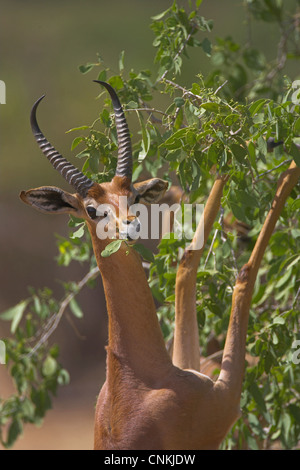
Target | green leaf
(132,105)
(116,82)
(254,59)
(238,76)
(256,106)
(146,142)
(244,197)
(275,339)
(79,233)
(76,141)
(89,66)
(259,118)
(297,126)
(258,397)
(160,15)
(49,366)
(276,435)
(191,114)
(41,399)
(252,154)
(206,46)
(254,423)
(290,262)
(295,412)
(111,248)
(209,106)
(262,145)
(15,314)
(167,62)
(252,444)
(77,129)
(179,102)
(279,320)
(63,377)
(196,89)
(286,424)
(15,430)
(75,308)
(102,76)
(144,252)
(239,152)
(37,305)
(86,68)
(295,152)
(231,119)
(174,141)
(237,211)
(28,409)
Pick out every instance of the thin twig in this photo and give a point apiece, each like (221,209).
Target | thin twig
(220,87)
(178,53)
(149,110)
(296,297)
(281,51)
(211,245)
(184,90)
(235,132)
(272,169)
(216,356)
(54,321)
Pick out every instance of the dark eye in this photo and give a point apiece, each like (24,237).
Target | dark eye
(92,212)
(137,199)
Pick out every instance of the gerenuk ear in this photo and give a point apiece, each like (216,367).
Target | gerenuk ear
(151,191)
(51,200)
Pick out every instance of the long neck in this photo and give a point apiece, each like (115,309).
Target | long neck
(134,332)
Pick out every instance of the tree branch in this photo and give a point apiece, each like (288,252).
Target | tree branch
(181,49)
(55,319)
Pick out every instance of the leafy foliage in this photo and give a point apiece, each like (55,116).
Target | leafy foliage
(36,373)
(224,122)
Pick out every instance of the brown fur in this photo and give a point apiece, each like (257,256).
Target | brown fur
(147,401)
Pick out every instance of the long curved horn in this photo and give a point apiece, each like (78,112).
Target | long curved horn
(72,175)
(124,165)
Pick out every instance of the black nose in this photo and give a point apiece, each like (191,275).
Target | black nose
(138,226)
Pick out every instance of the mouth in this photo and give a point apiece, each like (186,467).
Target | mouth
(130,230)
(125,236)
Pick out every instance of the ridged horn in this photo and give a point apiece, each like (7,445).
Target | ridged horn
(72,175)
(124,165)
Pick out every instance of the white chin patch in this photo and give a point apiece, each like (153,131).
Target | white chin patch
(130,231)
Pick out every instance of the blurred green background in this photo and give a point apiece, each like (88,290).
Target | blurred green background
(42,43)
